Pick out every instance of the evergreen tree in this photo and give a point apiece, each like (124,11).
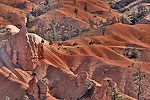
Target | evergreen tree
(85,6)
(76,12)
(138,79)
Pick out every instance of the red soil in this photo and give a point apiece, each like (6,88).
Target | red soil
(107,52)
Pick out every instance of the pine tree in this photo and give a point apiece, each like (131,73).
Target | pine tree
(85,6)
(76,12)
(47,1)
(138,78)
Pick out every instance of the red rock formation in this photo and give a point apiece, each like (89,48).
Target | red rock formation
(33,88)
(22,49)
(14,57)
(38,89)
(8,48)
(115,20)
(40,51)
(104,92)
(82,77)
(43,89)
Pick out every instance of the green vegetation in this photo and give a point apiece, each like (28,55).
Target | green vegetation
(134,54)
(115,95)
(44,81)
(8,34)
(7,98)
(56,34)
(88,85)
(123,20)
(43,7)
(34,74)
(26,97)
(47,2)
(89,90)
(85,6)
(111,4)
(135,17)
(59,31)
(109,22)
(138,79)
(76,12)
(91,22)
(103,29)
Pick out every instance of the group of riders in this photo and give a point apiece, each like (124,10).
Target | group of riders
(61,43)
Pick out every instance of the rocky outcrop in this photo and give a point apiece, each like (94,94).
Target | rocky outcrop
(40,51)
(115,20)
(14,57)
(82,77)
(43,89)
(38,90)
(23,50)
(33,88)
(104,92)
(21,46)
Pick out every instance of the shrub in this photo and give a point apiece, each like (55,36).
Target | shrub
(8,34)
(7,98)
(121,10)
(26,97)
(109,22)
(47,1)
(76,12)
(111,4)
(34,74)
(91,22)
(115,95)
(85,6)
(88,85)
(103,29)
(44,81)
(134,54)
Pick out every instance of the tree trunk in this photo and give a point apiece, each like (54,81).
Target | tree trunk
(139,91)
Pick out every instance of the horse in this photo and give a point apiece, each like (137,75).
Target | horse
(91,42)
(75,44)
(60,44)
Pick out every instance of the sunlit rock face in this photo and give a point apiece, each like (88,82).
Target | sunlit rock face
(22,50)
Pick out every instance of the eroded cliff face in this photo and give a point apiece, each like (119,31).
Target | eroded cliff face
(22,50)
(84,89)
(24,54)
(38,89)
(64,85)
